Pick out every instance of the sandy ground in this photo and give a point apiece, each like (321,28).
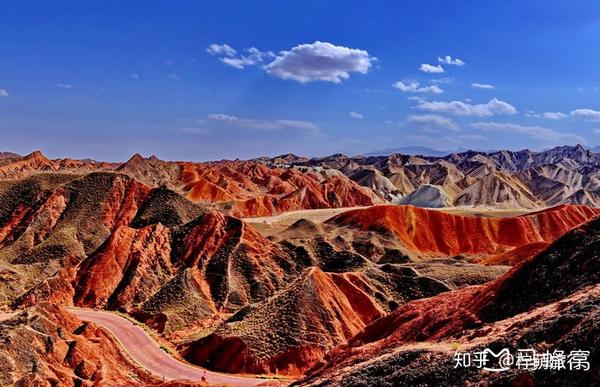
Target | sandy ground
(269,225)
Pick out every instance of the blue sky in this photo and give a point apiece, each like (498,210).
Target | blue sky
(200,80)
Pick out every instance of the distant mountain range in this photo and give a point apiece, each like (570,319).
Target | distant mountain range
(266,186)
(507,179)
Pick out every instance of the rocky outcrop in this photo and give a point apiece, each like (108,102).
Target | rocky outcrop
(254,189)
(552,298)
(148,249)
(426,196)
(436,232)
(291,330)
(45,345)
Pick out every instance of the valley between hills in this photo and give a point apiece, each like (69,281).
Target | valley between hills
(364,270)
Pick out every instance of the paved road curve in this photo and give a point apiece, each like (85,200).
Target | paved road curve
(146,352)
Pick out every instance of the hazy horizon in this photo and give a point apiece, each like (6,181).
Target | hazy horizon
(409,150)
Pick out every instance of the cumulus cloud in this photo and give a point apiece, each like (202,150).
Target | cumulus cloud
(259,124)
(431,122)
(253,56)
(320,61)
(459,108)
(482,85)
(221,49)
(427,68)
(63,86)
(356,115)
(3,93)
(547,115)
(535,132)
(586,114)
(450,61)
(415,87)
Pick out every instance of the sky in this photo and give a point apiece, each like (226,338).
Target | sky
(206,80)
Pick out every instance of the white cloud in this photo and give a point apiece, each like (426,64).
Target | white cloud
(221,49)
(417,98)
(482,85)
(222,117)
(415,87)
(427,68)
(431,122)
(135,76)
(320,61)
(259,124)
(554,115)
(586,114)
(444,80)
(294,124)
(535,132)
(253,56)
(547,115)
(173,76)
(63,86)
(3,93)
(356,115)
(449,61)
(459,108)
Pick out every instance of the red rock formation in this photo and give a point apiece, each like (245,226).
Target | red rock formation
(48,346)
(16,167)
(254,189)
(291,330)
(132,264)
(22,166)
(239,265)
(436,232)
(542,288)
(123,202)
(105,240)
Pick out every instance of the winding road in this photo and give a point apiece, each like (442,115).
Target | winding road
(147,353)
